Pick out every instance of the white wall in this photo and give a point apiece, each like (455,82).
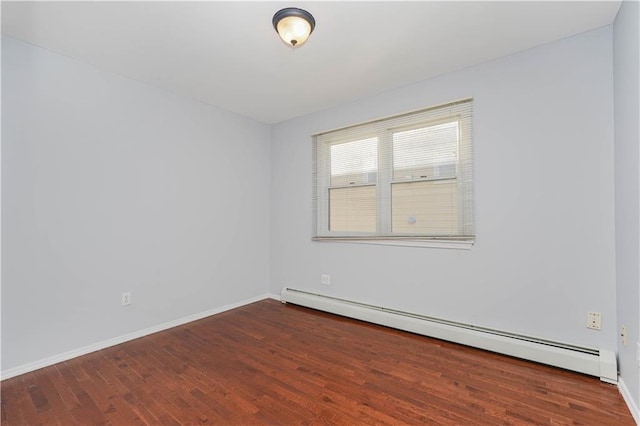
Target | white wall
(544,187)
(110,185)
(627,179)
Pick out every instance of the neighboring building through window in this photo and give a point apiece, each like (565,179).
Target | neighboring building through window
(404,178)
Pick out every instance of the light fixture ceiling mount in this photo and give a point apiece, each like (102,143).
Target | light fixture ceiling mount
(293,25)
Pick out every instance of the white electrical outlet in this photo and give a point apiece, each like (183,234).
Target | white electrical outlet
(326,279)
(126,298)
(594,320)
(623,335)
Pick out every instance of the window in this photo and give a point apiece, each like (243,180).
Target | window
(402,180)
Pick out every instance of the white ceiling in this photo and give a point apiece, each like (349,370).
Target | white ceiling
(228,55)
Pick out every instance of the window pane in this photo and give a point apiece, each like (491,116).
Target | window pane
(354,162)
(425,207)
(426,152)
(352,209)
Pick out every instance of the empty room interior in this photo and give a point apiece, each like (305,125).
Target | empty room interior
(320,212)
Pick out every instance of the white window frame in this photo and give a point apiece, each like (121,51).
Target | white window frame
(383,129)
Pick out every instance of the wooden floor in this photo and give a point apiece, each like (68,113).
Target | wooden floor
(269,363)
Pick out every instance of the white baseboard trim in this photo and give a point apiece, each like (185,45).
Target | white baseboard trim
(628,399)
(46,362)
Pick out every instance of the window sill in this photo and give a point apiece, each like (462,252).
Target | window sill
(443,244)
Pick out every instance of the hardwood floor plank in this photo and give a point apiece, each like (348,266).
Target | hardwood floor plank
(115,409)
(11,402)
(58,406)
(269,363)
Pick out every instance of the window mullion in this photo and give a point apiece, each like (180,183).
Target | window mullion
(385,175)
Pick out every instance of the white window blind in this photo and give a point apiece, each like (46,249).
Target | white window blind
(407,177)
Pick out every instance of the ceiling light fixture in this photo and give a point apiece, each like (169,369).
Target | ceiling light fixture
(293,25)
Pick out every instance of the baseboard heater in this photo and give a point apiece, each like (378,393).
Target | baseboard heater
(595,362)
